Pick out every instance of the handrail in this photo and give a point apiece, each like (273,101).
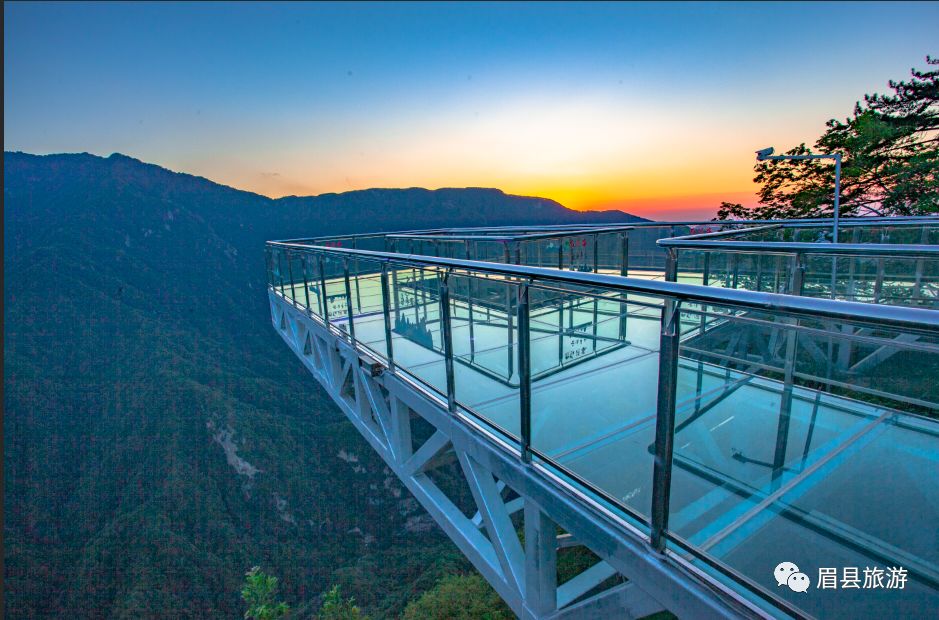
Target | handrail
(728,233)
(893,223)
(790,247)
(894,316)
(523,237)
(905,219)
(588,226)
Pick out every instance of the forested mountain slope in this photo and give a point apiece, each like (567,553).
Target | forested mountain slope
(159,439)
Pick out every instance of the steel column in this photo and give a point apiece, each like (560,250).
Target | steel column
(386,312)
(624,267)
(447,336)
(293,289)
(323,297)
(345,273)
(671,265)
(665,422)
(524,371)
(306,284)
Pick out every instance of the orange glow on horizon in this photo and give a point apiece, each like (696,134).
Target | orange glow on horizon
(650,198)
(694,206)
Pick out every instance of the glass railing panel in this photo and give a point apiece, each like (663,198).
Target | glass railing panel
(369,306)
(797,441)
(484,329)
(296,291)
(417,336)
(899,281)
(720,269)
(376,243)
(906,281)
(578,252)
(611,250)
(490,251)
(692,266)
(278,269)
(541,252)
(455,248)
(594,363)
(644,253)
(775,272)
(926,282)
(333,282)
(314,287)
(493,346)
(877,365)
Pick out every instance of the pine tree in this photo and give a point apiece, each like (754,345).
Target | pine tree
(890,154)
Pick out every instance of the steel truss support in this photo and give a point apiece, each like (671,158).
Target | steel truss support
(631,580)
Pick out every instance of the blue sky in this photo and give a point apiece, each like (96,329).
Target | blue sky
(648,107)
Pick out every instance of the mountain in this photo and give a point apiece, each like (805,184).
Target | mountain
(158,438)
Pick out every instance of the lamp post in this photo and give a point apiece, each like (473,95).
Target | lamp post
(767,154)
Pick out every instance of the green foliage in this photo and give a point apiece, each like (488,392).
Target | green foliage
(137,340)
(890,155)
(259,592)
(459,597)
(337,608)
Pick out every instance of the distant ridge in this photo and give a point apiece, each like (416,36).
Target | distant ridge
(346,212)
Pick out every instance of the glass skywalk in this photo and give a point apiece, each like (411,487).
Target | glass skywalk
(738,429)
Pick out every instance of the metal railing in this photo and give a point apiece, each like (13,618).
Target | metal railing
(687,316)
(624,249)
(872,266)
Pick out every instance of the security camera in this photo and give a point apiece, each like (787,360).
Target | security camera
(764,153)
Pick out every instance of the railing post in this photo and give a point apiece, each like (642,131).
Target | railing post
(665,422)
(510,320)
(759,272)
(918,277)
(345,274)
(355,267)
(469,304)
(736,259)
(706,276)
(306,284)
(524,371)
(394,293)
(596,253)
(785,404)
(671,265)
(797,284)
(879,280)
(447,335)
(323,300)
(280,273)
(386,311)
(293,286)
(776,274)
(624,267)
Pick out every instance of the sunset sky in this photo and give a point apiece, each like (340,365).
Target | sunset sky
(654,109)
